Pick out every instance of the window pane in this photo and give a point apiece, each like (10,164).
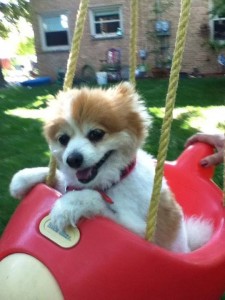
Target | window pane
(55,30)
(105,21)
(110,27)
(98,29)
(106,17)
(55,23)
(219,29)
(57,38)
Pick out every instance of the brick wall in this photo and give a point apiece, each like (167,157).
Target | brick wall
(197,53)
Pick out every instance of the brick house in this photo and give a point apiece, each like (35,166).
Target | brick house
(107,26)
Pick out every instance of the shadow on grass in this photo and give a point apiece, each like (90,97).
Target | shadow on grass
(178,136)
(191,92)
(22,145)
(26,147)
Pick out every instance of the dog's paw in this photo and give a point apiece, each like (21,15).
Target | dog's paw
(19,185)
(63,214)
(25,179)
(74,205)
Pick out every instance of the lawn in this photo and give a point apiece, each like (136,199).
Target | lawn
(199,107)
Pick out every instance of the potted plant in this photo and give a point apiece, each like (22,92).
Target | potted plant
(159,36)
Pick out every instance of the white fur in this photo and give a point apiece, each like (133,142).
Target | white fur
(131,195)
(24,180)
(131,201)
(199,232)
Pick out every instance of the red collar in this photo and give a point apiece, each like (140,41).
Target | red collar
(124,173)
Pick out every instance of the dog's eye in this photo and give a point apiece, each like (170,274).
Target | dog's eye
(95,135)
(64,139)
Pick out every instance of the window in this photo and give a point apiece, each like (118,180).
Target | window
(54,32)
(219,29)
(106,22)
(217,11)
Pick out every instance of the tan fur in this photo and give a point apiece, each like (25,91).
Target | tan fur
(168,220)
(93,107)
(53,127)
(120,112)
(112,110)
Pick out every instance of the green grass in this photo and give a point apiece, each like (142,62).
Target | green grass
(22,143)
(199,106)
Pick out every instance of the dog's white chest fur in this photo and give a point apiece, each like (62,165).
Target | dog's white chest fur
(94,135)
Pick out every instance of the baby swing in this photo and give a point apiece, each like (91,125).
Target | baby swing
(108,261)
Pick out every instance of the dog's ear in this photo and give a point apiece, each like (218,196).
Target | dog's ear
(125,88)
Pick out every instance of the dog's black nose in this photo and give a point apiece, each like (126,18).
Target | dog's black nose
(74,160)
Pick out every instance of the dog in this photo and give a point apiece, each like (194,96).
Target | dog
(96,136)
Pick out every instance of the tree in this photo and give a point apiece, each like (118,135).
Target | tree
(218,8)
(26,47)
(218,11)
(10,13)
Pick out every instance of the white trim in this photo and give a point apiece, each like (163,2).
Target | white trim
(211,24)
(44,46)
(221,40)
(109,9)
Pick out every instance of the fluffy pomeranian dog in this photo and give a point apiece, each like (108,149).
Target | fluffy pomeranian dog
(96,137)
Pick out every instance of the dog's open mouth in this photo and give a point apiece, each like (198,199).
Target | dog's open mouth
(88,174)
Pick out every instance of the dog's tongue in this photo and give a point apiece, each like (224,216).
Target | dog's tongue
(87,174)
(84,174)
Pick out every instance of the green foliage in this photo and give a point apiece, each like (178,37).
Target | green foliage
(26,47)
(217,45)
(218,8)
(11,13)
(4,30)
(160,6)
(159,44)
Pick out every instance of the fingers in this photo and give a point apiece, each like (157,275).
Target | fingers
(213,159)
(216,140)
(204,138)
(193,139)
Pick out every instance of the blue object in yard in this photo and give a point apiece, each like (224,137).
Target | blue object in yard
(36,82)
(221,59)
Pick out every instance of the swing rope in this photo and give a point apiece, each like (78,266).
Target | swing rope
(133,39)
(72,61)
(70,72)
(170,98)
(74,53)
(167,121)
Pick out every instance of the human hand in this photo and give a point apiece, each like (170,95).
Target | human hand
(216,140)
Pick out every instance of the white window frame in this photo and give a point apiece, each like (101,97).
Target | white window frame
(222,41)
(105,10)
(44,45)
(212,25)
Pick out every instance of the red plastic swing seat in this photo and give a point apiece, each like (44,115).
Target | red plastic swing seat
(111,262)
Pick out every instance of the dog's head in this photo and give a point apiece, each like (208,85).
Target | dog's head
(95,133)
